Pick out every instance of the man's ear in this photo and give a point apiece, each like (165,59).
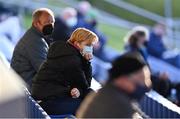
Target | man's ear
(35,24)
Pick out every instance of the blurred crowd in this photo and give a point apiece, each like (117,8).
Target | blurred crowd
(62,46)
(10,30)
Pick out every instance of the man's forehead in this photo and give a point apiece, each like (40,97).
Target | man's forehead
(46,15)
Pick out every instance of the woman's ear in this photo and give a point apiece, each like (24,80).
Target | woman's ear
(78,45)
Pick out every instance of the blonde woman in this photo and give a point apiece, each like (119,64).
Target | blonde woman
(65,77)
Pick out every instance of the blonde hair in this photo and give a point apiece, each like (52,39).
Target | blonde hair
(38,12)
(83,35)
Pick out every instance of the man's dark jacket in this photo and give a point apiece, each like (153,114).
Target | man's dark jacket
(29,54)
(64,69)
(109,102)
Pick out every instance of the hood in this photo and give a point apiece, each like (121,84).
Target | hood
(60,49)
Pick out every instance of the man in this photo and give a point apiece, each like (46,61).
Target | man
(32,48)
(82,10)
(64,24)
(129,79)
(157,48)
(155,45)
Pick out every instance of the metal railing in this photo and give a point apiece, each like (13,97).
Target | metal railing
(137,10)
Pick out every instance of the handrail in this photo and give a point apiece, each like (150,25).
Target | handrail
(134,9)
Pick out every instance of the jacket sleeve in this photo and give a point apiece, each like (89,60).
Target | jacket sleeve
(87,71)
(37,53)
(73,71)
(155,46)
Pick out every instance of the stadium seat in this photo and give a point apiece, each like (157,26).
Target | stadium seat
(156,106)
(34,110)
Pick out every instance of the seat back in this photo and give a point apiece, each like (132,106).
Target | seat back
(156,106)
(34,110)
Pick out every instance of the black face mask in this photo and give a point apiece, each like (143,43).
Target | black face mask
(139,92)
(47,29)
(93,23)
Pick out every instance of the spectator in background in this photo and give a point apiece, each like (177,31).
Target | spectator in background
(136,40)
(99,49)
(129,79)
(64,79)
(32,48)
(82,10)
(157,48)
(64,24)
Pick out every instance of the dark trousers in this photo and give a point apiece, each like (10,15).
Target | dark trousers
(61,106)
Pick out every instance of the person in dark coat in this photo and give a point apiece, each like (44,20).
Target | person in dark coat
(32,48)
(64,24)
(61,30)
(64,79)
(157,48)
(129,79)
(136,40)
(82,11)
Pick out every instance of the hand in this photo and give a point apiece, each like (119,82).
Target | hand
(75,93)
(88,56)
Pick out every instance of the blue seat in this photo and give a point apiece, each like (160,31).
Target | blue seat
(156,106)
(34,110)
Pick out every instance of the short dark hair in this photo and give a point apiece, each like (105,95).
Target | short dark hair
(126,64)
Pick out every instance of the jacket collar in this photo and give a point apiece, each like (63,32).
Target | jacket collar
(73,46)
(36,31)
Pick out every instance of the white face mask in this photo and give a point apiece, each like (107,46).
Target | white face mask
(87,50)
(71,21)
